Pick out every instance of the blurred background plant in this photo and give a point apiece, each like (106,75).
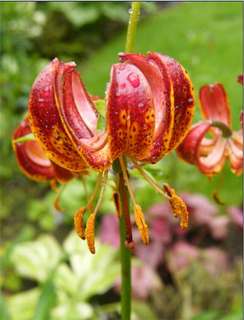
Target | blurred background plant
(33,232)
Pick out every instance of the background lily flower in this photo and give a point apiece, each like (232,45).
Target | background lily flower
(209,154)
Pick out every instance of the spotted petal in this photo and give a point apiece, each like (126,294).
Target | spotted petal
(79,118)
(130,111)
(183,95)
(160,111)
(46,123)
(33,161)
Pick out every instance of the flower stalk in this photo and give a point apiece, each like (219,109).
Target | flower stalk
(132,25)
(125,254)
(124,214)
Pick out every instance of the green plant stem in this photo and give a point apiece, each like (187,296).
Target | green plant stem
(124,212)
(131,31)
(226,131)
(125,254)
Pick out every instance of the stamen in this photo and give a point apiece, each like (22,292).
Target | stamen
(141,224)
(178,206)
(53,184)
(90,225)
(94,193)
(90,232)
(79,223)
(116,203)
(130,245)
(149,179)
(124,171)
(139,217)
(216,198)
(56,202)
(84,187)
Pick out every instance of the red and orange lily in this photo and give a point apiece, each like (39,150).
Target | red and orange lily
(149,108)
(210,154)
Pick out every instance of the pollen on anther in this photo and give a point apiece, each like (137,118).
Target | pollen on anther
(90,232)
(178,206)
(78,223)
(141,224)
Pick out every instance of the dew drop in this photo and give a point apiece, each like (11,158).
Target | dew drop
(190,100)
(134,79)
(141,105)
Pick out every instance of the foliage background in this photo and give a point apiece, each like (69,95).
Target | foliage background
(205,37)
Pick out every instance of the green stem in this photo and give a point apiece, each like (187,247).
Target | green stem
(124,221)
(226,131)
(125,254)
(131,31)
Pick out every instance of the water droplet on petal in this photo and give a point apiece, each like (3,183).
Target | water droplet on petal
(134,79)
(141,104)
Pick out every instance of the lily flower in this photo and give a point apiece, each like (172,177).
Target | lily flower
(209,154)
(149,108)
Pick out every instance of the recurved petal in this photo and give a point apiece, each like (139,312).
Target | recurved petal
(30,157)
(213,162)
(79,118)
(214,103)
(62,175)
(75,106)
(188,149)
(46,123)
(33,160)
(183,95)
(235,151)
(161,112)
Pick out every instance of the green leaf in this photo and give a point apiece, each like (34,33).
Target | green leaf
(36,259)
(91,271)
(237,315)
(70,310)
(79,14)
(143,311)
(22,305)
(46,300)
(4,313)
(208,315)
